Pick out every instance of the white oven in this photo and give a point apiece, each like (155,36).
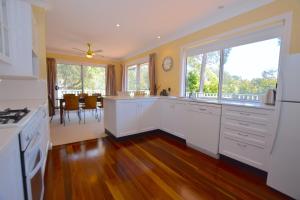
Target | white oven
(33,158)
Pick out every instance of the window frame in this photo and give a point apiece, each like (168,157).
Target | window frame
(235,38)
(138,75)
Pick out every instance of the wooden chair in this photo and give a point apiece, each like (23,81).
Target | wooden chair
(90,103)
(71,104)
(52,106)
(83,95)
(97,94)
(100,106)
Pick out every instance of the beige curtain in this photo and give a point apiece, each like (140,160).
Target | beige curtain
(152,79)
(123,78)
(51,81)
(111,81)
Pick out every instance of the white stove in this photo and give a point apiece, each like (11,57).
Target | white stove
(12,116)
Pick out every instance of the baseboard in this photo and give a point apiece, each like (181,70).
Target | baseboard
(216,156)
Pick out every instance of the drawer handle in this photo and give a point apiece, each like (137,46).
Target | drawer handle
(243,134)
(243,124)
(242,145)
(202,109)
(246,114)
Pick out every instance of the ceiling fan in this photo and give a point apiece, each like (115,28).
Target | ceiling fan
(89,53)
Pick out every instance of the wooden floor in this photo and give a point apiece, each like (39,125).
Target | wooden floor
(152,166)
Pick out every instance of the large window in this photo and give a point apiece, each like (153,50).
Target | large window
(76,79)
(138,77)
(242,72)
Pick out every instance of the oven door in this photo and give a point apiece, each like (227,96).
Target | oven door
(33,160)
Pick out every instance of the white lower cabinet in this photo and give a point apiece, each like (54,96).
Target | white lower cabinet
(128,117)
(246,135)
(242,133)
(173,118)
(147,115)
(203,122)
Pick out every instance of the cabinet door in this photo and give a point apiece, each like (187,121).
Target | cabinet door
(173,118)
(127,118)
(204,128)
(147,115)
(11,184)
(168,111)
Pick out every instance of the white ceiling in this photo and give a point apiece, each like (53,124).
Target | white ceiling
(72,23)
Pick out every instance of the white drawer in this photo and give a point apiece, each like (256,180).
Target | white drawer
(253,155)
(250,137)
(242,125)
(249,114)
(204,108)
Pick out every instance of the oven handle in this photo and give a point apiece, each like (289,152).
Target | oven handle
(37,166)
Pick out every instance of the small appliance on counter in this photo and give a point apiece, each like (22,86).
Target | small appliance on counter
(270,97)
(164,92)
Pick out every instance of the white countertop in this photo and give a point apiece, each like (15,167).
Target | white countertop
(32,104)
(198,100)
(8,132)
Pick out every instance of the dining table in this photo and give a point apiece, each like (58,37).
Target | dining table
(81,100)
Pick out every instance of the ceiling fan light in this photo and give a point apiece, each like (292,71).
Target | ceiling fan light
(89,55)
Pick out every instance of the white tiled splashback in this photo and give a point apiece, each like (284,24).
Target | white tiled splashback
(22,89)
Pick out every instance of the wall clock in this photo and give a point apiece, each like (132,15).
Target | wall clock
(167,63)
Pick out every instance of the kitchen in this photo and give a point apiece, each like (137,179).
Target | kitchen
(182,141)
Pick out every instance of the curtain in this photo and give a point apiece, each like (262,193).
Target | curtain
(152,81)
(111,81)
(123,78)
(51,82)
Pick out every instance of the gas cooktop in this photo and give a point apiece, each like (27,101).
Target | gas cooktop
(12,116)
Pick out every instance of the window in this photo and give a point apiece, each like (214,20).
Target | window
(138,77)
(242,72)
(76,79)
(202,77)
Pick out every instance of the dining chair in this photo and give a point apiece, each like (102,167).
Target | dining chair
(83,95)
(71,104)
(100,106)
(52,106)
(96,94)
(90,103)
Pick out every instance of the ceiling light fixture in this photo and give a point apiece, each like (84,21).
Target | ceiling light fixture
(158,37)
(89,56)
(118,25)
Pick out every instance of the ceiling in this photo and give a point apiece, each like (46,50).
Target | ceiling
(73,23)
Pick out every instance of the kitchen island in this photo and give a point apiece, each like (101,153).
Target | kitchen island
(240,130)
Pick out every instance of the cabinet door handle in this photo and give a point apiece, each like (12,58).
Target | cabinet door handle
(242,145)
(243,134)
(243,124)
(245,114)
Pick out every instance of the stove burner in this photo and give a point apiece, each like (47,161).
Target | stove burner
(9,116)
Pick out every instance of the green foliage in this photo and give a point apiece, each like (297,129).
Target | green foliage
(193,81)
(231,84)
(69,77)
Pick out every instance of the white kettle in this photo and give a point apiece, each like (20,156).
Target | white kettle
(270,97)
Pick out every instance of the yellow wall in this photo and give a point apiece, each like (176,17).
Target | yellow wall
(172,78)
(84,60)
(40,16)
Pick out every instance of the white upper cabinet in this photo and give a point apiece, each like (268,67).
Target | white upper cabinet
(4,31)
(16,39)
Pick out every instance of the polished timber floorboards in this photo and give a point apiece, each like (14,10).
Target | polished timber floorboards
(149,166)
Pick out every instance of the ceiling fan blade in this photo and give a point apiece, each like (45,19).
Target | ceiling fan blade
(79,50)
(99,50)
